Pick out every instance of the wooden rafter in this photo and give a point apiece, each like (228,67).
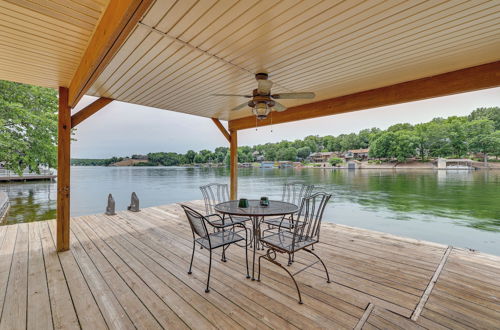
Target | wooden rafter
(118,20)
(89,110)
(222,129)
(460,81)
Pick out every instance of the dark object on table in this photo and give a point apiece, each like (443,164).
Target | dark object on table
(110,208)
(134,203)
(222,238)
(243,203)
(304,234)
(264,201)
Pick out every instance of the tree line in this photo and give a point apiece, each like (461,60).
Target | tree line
(456,136)
(28,137)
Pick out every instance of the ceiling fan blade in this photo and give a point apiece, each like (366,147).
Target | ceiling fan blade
(247,96)
(241,106)
(279,107)
(264,86)
(303,95)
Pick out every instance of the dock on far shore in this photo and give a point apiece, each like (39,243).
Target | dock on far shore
(7,176)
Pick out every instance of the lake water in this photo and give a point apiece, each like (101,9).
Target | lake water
(461,208)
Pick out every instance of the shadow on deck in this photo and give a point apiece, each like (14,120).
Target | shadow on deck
(130,270)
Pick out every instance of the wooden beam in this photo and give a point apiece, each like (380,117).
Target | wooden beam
(63,170)
(116,23)
(222,129)
(233,167)
(89,110)
(465,80)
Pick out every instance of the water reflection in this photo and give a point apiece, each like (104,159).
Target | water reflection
(454,207)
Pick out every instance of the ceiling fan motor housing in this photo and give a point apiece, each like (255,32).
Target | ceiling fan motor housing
(261,76)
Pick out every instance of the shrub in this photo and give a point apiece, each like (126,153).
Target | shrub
(335,161)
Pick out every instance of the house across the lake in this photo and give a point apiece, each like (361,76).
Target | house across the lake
(322,157)
(357,154)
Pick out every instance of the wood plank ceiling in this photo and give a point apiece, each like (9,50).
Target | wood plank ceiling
(42,41)
(184,51)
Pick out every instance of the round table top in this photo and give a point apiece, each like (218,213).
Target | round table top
(255,209)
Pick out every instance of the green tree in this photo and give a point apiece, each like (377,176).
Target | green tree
(382,146)
(481,137)
(199,159)
(312,141)
(190,154)
(270,151)
(287,154)
(404,145)
(492,114)
(457,136)
(400,127)
(349,141)
(28,126)
(303,152)
(335,161)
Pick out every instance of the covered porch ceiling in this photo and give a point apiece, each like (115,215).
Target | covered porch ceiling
(175,54)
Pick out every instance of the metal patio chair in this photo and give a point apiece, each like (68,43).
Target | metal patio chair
(211,241)
(304,234)
(292,193)
(213,194)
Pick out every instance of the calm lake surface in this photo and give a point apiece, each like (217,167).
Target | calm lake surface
(461,208)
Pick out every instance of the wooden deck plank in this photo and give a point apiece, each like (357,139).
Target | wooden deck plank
(15,307)
(279,301)
(346,281)
(89,315)
(63,311)
(151,284)
(113,313)
(133,306)
(40,315)
(278,281)
(6,254)
(130,271)
(213,309)
(226,288)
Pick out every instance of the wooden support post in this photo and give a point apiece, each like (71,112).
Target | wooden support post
(233,149)
(63,170)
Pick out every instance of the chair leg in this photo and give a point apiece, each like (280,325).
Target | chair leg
(192,257)
(209,269)
(269,258)
(324,266)
(224,248)
(246,253)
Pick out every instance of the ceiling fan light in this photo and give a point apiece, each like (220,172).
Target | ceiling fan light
(261,110)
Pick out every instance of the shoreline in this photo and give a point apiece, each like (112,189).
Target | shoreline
(312,167)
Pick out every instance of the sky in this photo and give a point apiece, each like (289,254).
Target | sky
(122,129)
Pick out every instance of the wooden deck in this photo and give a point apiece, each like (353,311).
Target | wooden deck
(130,271)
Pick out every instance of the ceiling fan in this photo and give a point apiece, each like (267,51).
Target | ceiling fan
(262,101)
